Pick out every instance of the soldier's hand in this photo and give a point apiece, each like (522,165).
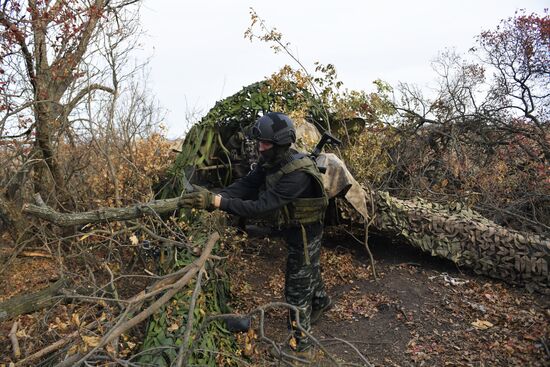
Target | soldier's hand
(202,199)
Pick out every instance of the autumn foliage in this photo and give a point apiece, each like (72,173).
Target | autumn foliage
(484,139)
(138,168)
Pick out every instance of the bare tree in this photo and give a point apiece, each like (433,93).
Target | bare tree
(43,47)
(487,111)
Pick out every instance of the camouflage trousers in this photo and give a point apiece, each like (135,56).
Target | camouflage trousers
(304,287)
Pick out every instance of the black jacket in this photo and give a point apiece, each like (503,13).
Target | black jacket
(246,196)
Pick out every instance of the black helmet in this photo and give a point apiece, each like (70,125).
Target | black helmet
(274,127)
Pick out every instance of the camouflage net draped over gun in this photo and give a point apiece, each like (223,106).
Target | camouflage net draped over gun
(451,231)
(466,238)
(216,144)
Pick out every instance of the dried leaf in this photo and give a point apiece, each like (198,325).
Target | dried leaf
(72,350)
(173,327)
(248,348)
(91,341)
(482,324)
(76,319)
(292,343)
(134,240)
(110,349)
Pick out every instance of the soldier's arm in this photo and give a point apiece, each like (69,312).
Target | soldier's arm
(288,188)
(246,187)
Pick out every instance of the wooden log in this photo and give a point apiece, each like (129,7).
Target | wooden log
(27,303)
(103,214)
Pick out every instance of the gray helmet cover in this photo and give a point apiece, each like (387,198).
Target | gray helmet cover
(274,127)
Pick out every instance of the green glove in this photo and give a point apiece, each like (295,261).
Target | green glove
(202,199)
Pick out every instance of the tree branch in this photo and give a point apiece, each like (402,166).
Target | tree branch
(81,94)
(20,38)
(103,214)
(125,326)
(69,61)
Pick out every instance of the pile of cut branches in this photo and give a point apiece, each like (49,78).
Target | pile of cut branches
(132,293)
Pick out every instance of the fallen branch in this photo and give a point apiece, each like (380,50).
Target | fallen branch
(163,284)
(50,348)
(25,253)
(27,303)
(53,347)
(184,348)
(29,253)
(356,350)
(155,207)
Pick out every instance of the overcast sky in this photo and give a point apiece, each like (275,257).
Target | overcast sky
(199,54)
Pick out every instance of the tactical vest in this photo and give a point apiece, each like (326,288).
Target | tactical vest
(300,211)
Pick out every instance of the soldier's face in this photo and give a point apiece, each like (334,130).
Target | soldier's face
(264,145)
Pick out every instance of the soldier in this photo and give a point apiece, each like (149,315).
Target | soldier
(288,186)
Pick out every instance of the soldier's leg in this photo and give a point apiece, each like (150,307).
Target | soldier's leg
(298,287)
(320,296)
(321,301)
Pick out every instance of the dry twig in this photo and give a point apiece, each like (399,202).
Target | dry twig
(184,348)
(14,342)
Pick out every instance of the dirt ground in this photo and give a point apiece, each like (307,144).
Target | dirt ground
(421,311)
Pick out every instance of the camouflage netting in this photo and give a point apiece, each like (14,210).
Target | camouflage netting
(452,231)
(214,153)
(467,238)
(216,149)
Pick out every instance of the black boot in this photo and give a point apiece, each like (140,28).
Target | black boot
(318,311)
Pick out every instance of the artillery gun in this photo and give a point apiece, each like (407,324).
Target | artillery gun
(216,152)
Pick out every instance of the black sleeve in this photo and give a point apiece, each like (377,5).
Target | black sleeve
(288,188)
(246,187)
